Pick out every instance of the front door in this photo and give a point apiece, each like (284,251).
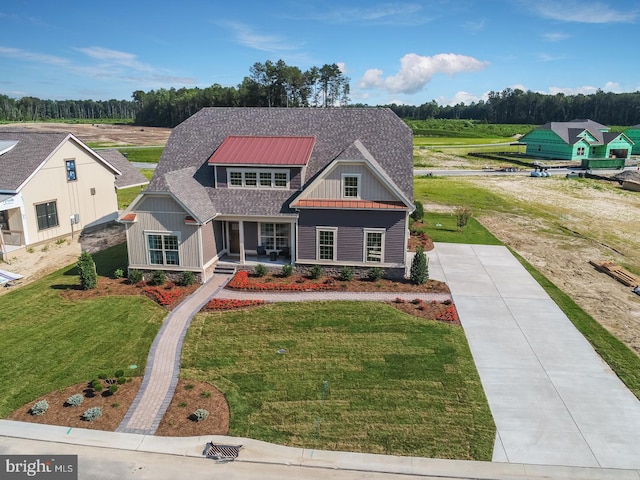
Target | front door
(234,238)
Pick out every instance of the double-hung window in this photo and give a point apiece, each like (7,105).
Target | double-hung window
(374,246)
(350,185)
(163,249)
(326,243)
(47,214)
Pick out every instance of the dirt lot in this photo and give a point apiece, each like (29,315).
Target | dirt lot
(107,134)
(577,221)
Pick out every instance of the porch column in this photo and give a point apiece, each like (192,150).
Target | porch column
(241,227)
(293,242)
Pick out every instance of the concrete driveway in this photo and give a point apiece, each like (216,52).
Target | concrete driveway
(553,399)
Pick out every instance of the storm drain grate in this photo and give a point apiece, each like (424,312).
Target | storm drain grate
(224,453)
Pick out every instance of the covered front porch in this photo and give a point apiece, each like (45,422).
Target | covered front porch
(270,241)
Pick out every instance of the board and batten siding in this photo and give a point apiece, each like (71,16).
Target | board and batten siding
(162,214)
(330,187)
(351,225)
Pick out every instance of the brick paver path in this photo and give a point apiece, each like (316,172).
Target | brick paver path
(163,363)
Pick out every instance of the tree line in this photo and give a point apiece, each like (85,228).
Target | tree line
(514,106)
(276,84)
(268,85)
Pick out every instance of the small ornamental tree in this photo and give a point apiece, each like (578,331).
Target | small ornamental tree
(463,214)
(419,267)
(87,269)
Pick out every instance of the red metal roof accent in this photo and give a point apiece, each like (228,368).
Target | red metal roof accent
(359,204)
(262,150)
(129,217)
(190,219)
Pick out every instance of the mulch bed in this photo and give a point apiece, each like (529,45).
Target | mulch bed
(419,238)
(175,423)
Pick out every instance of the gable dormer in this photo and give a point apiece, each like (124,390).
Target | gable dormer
(261,162)
(354,179)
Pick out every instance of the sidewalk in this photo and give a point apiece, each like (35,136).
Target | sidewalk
(262,453)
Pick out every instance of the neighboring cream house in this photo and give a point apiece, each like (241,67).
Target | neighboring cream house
(51,186)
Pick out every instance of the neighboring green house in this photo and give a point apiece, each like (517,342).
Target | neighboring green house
(634,135)
(579,140)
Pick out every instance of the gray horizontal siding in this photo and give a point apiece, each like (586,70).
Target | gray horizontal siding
(351,225)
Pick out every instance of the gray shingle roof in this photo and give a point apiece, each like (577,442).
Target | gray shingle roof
(192,142)
(21,161)
(129,175)
(568,130)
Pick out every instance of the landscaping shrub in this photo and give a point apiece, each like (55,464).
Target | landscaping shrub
(260,270)
(158,277)
(287,270)
(39,408)
(87,269)
(92,414)
(75,400)
(346,274)
(122,380)
(97,385)
(119,373)
(103,376)
(118,273)
(316,272)
(113,389)
(419,268)
(418,214)
(135,276)
(187,278)
(200,414)
(463,214)
(375,274)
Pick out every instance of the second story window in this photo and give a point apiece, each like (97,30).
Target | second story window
(71,170)
(250,178)
(351,186)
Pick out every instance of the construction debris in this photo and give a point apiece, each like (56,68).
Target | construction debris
(623,276)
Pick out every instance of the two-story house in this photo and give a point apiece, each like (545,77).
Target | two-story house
(314,186)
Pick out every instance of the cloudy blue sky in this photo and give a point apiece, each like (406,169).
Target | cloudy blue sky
(408,51)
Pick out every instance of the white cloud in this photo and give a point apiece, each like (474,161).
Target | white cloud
(461,97)
(547,57)
(111,64)
(416,71)
(268,43)
(586,89)
(555,36)
(396,13)
(580,11)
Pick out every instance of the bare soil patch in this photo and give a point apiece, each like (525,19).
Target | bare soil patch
(117,135)
(583,221)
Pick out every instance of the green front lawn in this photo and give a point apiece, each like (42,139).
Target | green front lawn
(48,343)
(442,227)
(142,154)
(356,376)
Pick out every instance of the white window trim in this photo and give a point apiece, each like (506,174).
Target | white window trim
(359,188)
(272,172)
(335,243)
(164,259)
(364,244)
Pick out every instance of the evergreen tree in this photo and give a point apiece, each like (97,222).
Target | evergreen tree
(419,267)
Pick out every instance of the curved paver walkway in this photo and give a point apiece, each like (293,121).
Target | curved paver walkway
(163,363)
(553,399)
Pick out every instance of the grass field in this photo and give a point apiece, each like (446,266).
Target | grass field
(49,343)
(356,376)
(142,154)
(439,141)
(127,195)
(442,227)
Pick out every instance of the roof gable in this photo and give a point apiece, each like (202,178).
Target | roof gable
(263,150)
(30,152)
(356,152)
(129,175)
